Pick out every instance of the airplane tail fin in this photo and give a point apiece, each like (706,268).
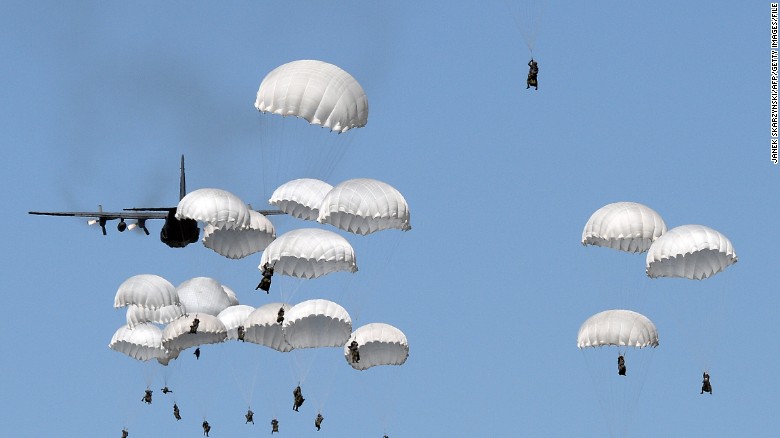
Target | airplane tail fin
(182,183)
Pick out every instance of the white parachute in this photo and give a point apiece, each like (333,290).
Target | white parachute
(621,328)
(317,91)
(363,206)
(378,344)
(694,252)
(261,327)
(237,244)
(146,290)
(624,226)
(216,207)
(317,323)
(309,253)
(322,94)
(232,298)
(301,198)
(143,342)
(201,295)
(177,336)
(139,315)
(235,316)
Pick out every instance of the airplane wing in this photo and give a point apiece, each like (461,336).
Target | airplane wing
(106,214)
(263,212)
(101,217)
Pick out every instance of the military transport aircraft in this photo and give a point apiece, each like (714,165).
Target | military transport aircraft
(176,233)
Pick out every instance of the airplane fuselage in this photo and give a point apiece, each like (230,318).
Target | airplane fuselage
(178,233)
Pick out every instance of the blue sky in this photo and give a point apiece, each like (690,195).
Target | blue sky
(663,103)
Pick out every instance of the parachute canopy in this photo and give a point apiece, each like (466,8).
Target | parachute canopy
(624,226)
(203,295)
(321,93)
(618,328)
(177,336)
(139,315)
(216,207)
(317,323)
(695,252)
(309,253)
(261,327)
(301,198)
(233,317)
(378,344)
(237,244)
(144,342)
(363,206)
(146,290)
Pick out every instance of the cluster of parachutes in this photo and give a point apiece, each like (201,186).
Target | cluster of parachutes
(152,301)
(163,320)
(232,229)
(693,252)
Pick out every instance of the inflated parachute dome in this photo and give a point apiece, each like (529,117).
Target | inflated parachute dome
(146,290)
(309,253)
(216,207)
(694,252)
(144,342)
(378,344)
(624,226)
(301,198)
(203,295)
(237,244)
(233,317)
(319,92)
(364,206)
(622,328)
(177,336)
(139,315)
(316,324)
(261,327)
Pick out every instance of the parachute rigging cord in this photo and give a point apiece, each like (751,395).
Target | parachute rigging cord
(360,291)
(527,15)
(618,395)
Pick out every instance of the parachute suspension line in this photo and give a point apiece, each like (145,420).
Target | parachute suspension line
(289,288)
(708,348)
(325,380)
(149,370)
(606,409)
(368,283)
(528,16)
(300,363)
(247,389)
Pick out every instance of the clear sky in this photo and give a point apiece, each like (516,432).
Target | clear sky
(663,103)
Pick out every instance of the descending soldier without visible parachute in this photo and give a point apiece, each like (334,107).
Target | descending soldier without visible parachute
(206,428)
(176,412)
(274,425)
(621,366)
(318,420)
(249,416)
(705,384)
